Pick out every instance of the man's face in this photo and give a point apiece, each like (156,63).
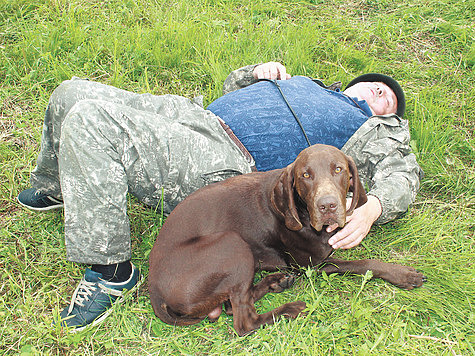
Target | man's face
(380,98)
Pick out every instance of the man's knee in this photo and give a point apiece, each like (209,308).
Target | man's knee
(86,114)
(68,93)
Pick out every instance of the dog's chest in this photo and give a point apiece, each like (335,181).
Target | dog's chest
(307,247)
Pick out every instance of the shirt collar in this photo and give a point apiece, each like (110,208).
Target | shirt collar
(364,106)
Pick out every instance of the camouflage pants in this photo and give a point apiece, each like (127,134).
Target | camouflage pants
(100,143)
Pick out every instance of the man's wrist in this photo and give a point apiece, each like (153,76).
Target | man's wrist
(375,206)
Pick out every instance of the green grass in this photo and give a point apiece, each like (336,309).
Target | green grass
(188,48)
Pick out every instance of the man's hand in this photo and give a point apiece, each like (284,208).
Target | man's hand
(271,70)
(358,225)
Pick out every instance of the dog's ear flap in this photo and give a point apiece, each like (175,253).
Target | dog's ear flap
(282,198)
(359,193)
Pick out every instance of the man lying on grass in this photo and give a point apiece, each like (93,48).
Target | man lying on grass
(100,143)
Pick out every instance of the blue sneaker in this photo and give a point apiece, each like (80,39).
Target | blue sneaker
(34,200)
(93,298)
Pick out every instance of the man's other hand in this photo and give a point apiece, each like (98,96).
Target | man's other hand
(271,70)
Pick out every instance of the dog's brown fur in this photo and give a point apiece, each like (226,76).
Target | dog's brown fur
(212,244)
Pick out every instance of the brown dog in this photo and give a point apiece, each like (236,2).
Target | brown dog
(212,244)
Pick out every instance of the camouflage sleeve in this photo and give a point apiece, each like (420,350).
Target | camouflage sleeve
(396,180)
(239,78)
(386,165)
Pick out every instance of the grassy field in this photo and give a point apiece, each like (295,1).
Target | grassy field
(188,48)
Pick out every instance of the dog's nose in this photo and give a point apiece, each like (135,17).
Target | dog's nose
(327,204)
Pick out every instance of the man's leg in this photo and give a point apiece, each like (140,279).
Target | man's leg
(98,164)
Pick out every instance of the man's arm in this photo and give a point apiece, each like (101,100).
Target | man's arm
(392,174)
(393,169)
(250,74)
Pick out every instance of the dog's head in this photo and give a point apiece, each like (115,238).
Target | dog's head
(321,176)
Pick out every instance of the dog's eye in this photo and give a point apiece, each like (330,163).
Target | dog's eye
(337,169)
(306,175)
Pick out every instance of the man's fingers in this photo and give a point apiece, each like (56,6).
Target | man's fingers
(346,236)
(352,244)
(282,72)
(349,241)
(336,240)
(259,73)
(271,70)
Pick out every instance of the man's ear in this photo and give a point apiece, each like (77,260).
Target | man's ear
(282,198)
(359,194)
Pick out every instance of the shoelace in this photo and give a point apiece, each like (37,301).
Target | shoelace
(81,294)
(85,289)
(50,198)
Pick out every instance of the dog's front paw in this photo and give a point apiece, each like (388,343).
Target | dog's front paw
(281,281)
(408,278)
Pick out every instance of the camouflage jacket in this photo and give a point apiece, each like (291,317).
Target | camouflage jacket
(381,151)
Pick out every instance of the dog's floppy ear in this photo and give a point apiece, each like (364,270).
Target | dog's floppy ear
(359,194)
(282,198)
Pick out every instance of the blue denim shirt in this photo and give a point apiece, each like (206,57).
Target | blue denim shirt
(263,122)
